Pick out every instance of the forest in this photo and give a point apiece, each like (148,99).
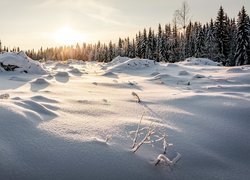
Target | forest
(223,39)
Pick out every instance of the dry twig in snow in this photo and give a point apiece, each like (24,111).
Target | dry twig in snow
(136,96)
(164,160)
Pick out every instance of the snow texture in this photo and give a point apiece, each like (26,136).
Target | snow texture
(59,126)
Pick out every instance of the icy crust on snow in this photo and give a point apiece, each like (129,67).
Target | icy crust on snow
(20,62)
(199,61)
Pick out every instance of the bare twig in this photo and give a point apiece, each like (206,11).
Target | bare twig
(136,96)
(145,140)
(165,160)
(137,131)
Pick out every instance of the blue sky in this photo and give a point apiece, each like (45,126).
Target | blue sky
(35,23)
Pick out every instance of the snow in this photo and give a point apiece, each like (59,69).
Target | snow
(75,121)
(199,61)
(121,64)
(22,61)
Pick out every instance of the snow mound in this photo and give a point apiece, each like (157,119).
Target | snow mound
(134,64)
(20,62)
(40,81)
(162,76)
(183,73)
(62,74)
(199,61)
(38,108)
(154,73)
(172,65)
(198,76)
(61,65)
(235,70)
(110,74)
(75,71)
(118,60)
(43,99)
(75,61)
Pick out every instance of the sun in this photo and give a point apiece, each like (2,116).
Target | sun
(68,36)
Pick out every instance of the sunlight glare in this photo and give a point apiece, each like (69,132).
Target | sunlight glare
(68,36)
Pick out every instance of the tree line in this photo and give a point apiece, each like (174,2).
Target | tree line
(223,40)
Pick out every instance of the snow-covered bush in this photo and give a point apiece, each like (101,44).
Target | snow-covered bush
(19,62)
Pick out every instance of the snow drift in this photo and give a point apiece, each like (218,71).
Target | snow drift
(19,62)
(122,64)
(199,61)
(55,126)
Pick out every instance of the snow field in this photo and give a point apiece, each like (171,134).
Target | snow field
(55,126)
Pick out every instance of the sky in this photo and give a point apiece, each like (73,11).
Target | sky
(34,23)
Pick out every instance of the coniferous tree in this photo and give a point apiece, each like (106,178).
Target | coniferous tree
(174,48)
(133,53)
(166,42)
(1,46)
(138,45)
(222,36)
(120,48)
(233,42)
(150,46)
(210,42)
(200,42)
(110,51)
(159,44)
(144,43)
(241,55)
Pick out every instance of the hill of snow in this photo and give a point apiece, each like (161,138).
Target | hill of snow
(122,64)
(199,61)
(19,62)
(55,125)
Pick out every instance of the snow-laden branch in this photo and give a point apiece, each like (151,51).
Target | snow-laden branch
(166,161)
(137,131)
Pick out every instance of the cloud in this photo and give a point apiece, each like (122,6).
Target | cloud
(98,10)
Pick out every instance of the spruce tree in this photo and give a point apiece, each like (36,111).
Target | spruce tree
(233,42)
(200,42)
(144,43)
(241,55)
(120,48)
(222,36)
(150,47)
(159,47)
(110,51)
(210,42)
(138,45)
(166,42)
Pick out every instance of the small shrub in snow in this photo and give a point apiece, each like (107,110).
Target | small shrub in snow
(150,135)
(146,139)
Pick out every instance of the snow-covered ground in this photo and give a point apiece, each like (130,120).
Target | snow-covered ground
(54,125)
